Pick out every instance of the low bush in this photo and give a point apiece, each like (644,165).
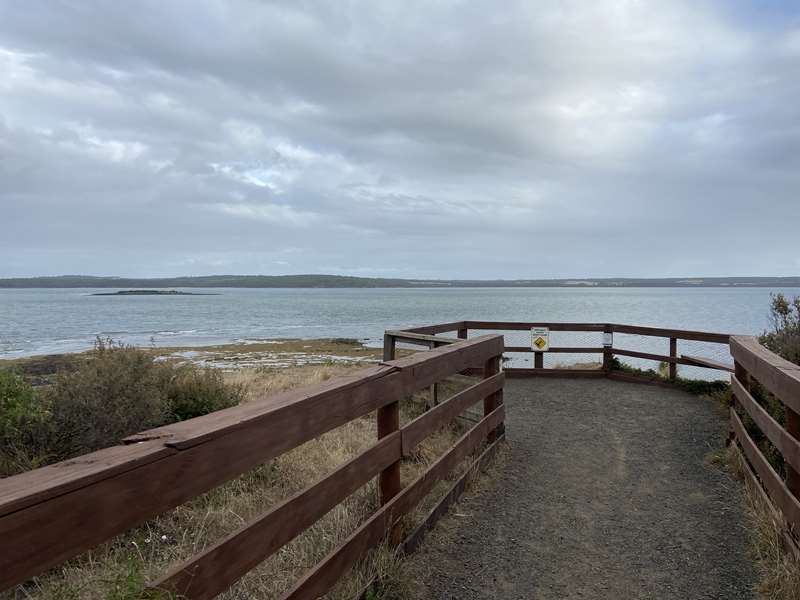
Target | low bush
(784,337)
(117,391)
(193,392)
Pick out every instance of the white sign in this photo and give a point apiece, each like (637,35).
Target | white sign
(608,339)
(540,339)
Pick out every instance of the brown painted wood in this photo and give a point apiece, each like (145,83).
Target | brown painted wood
(389,347)
(323,576)
(673,353)
(607,355)
(150,478)
(681,334)
(559,349)
(215,569)
(648,356)
(538,360)
(389,424)
(778,375)
(438,328)
(41,484)
(421,427)
(707,363)
(491,368)
(421,338)
(793,469)
(780,494)
(788,446)
(415,539)
(463,333)
(522,326)
(790,544)
(518,372)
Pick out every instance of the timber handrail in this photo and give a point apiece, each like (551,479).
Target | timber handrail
(758,369)
(427,334)
(51,514)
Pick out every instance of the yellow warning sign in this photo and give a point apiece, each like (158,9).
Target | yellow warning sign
(540,338)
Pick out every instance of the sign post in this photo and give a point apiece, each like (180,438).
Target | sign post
(540,342)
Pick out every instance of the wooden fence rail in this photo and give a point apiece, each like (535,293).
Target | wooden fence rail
(427,335)
(755,364)
(56,512)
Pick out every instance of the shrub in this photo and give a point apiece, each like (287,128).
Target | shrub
(120,390)
(193,392)
(117,391)
(23,421)
(784,339)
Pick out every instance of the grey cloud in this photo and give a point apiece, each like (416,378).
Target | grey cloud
(418,139)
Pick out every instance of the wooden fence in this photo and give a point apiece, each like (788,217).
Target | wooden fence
(56,512)
(44,513)
(426,335)
(754,365)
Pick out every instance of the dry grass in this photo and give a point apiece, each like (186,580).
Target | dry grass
(118,569)
(778,568)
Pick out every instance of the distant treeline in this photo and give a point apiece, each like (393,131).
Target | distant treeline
(338,281)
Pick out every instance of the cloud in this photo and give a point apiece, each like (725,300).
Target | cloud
(448,139)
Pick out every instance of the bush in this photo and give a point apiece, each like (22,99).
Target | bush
(784,339)
(120,390)
(23,418)
(117,391)
(193,392)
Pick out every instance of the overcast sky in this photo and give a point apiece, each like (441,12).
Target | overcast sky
(402,139)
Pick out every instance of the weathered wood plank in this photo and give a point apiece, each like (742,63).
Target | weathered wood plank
(681,334)
(778,375)
(566,372)
(522,326)
(323,576)
(780,494)
(409,337)
(138,483)
(437,328)
(413,541)
(218,567)
(707,363)
(559,349)
(421,427)
(788,446)
(44,483)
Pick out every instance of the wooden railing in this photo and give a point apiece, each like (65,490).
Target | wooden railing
(754,364)
(426,335)
(56,512)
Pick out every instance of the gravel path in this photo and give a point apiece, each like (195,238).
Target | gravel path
(603,493)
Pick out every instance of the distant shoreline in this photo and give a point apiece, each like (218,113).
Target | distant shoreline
(338,281)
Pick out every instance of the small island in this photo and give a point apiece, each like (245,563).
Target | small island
(152,293)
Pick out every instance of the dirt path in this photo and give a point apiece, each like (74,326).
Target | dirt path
(604,493)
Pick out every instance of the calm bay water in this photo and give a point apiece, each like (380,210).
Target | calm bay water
(38,321)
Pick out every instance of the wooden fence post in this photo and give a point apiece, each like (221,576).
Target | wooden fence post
(492,367)
(388,423)
(793,429)
(463,333)
(741,374)
(434,389)
(538,360)
(607,349)
(673,353)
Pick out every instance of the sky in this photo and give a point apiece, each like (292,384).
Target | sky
(434,139)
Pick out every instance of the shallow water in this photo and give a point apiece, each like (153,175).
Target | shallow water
(39,321)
